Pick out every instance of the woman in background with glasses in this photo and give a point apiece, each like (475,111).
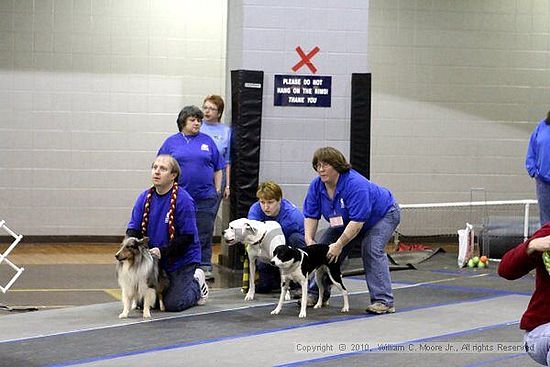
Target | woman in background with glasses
(221,134)
(360,213)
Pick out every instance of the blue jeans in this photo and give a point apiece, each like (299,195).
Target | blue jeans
(543,196)
(206,215)
(537,344)
(270,276)
(375,261)
(184,291)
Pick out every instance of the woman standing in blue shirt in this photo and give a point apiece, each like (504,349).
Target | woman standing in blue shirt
(201,176)
(537,164)
(213,107)
(358,211)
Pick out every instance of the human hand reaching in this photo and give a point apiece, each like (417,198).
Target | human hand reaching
(155,252)
(334,251)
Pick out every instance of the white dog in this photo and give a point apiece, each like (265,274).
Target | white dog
(260,239)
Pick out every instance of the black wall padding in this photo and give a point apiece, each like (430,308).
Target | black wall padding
(360,129)
(246,123)
(360,123)
(246,126)
(502,233)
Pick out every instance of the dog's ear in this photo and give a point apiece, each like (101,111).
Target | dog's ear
(145,241)
(132,242)
(251,228)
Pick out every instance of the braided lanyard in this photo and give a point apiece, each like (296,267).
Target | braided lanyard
(173,199)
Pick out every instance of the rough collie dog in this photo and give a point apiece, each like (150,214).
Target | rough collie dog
(139,276)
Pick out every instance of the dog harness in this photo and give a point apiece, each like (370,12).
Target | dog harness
(267,236)
(304,254)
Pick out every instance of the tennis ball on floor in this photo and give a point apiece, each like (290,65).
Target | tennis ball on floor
(471,263)
(475,259)
(481,264)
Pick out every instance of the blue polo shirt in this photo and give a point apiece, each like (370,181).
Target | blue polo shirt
(157,227)
(198,158)
(290,217)
(355,198)
(537,161)
(221,134)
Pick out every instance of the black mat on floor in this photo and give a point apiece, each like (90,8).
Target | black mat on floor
(404,260)
(413,257)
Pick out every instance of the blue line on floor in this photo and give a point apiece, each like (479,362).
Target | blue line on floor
(355,278)
(466,272)
(477,290)
(496,360)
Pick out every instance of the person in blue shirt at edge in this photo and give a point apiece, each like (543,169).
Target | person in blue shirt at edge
(537,163)
(272,206)
(166,214)
(201,166)
(212,108)
(359,212)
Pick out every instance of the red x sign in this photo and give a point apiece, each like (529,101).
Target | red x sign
(306,59)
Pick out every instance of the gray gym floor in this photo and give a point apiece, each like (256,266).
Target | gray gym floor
(445,317)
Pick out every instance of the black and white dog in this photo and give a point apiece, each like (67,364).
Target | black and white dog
(297,265)
(140,277)
(260,239)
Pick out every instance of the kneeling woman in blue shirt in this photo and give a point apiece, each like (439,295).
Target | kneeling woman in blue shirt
(166,214)
(359,212)
(272,206)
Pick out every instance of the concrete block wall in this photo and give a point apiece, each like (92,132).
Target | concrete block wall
(89,89)
(458,86)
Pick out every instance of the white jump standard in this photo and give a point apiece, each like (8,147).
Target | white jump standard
(3,257)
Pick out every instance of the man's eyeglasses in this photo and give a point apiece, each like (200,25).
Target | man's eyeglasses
(209,108)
